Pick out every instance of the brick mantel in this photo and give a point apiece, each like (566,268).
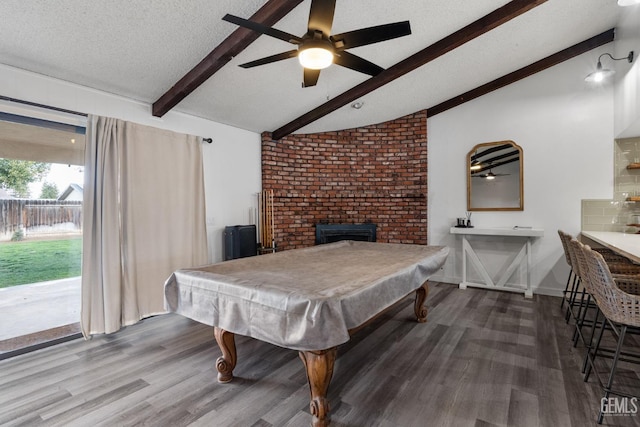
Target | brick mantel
(374,174)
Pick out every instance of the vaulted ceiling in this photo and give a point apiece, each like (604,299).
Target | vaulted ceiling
(140,49)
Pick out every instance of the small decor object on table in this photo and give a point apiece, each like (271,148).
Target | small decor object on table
(464,222)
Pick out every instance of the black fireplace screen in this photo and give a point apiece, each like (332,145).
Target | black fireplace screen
(328,233)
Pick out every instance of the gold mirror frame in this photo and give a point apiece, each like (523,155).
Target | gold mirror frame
(495,162)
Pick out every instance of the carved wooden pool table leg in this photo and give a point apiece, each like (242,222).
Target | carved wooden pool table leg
(227,361)
(419,308)
(319,367)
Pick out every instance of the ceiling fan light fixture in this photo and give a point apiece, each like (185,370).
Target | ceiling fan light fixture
(490,176)
(315,56)
(318,48)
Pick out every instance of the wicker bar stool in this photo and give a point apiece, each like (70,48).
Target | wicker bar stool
(618,264)
(565,239)
(621,310)
(625,275)
(572,281)
(576,250)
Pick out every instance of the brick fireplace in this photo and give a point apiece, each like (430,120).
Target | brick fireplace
(328,233)
(375,174)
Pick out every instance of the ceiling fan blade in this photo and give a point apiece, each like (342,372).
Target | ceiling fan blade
(356,63)
(263,29)
(370,35)
(270,59)
(310,77)
(321,16)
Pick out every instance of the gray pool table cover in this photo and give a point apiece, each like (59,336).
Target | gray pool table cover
(302,299)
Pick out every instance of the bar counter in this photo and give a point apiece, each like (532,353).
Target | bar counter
(625,244)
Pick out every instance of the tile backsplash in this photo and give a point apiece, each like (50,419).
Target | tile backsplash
(616,214)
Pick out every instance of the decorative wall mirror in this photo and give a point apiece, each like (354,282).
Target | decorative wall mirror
(494,177)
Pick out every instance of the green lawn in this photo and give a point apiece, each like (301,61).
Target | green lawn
(39,261)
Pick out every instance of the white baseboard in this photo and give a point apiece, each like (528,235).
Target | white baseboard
(554,292)
(445,279)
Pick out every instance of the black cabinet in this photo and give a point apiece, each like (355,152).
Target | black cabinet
(240,241)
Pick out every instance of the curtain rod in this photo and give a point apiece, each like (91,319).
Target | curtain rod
(62,110)
(48,107)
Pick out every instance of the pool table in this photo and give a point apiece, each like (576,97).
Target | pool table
(310,300)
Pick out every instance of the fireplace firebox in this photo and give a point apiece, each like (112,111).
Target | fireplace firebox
(328,233)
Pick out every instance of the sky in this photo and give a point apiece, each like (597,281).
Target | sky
(61,175)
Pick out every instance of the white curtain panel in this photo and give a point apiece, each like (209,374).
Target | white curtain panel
(144,217)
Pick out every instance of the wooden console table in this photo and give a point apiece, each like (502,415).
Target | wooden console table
(501,282)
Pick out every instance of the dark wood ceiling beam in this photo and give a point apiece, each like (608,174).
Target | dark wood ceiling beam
(487,23)
(501,156)
(489,167)
(240,39)
(490,150)
(536,67)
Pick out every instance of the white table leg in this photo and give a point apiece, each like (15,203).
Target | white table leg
(463,284)
(528,293)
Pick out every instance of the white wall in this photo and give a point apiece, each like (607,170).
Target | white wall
(565,128)
(231,162)
(233,176)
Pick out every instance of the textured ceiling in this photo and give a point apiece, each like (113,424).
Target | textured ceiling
(140,48)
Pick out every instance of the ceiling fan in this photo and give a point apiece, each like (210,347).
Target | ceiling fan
(318,48)
(490,175)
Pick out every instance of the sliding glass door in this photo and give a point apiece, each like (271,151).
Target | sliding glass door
(41,186)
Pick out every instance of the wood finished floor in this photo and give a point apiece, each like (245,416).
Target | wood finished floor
(483,359)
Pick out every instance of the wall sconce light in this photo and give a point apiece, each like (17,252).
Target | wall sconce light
(628,2)
(601,73)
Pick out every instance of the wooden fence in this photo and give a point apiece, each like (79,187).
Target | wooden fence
(39,216)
